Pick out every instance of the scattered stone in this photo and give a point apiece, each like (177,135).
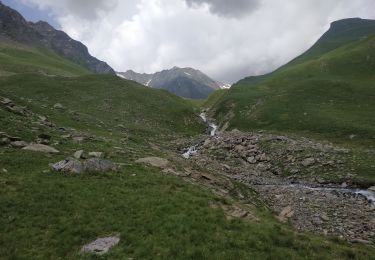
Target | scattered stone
(173,172)
(226,167)
(42,141)
(324,217)
(68,165)
(4,170)
(78,154)
(58,106)
(19,144)
(251,160)
(308,162)
(294,171)
(101,245)
(361,241)
(93,165)
(286,213)
(236,212)
(372,188)
(4,141)
(40,148)
(42,118)
(5,101)
(96,154)
(99,165)
(316,203)
(154,161)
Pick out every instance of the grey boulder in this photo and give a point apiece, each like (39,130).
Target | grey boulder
(101,245)
(68,166)
(99,165)
(40,148)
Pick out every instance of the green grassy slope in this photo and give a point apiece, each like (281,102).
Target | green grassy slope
(340,33)
(20,59)
(328,98)
(332,96)
(47,215)
(103,102)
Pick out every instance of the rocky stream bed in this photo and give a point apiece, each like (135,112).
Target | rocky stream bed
(283,172)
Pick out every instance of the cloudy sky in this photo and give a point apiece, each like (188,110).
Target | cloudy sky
(227,39)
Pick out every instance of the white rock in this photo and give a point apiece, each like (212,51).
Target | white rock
(78,154)
(101,245)
(96,154)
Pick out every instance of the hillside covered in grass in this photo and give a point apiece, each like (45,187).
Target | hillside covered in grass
(327,92)
(18,58)
(172,208)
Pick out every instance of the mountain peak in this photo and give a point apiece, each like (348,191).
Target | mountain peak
(15,28)
(185,82)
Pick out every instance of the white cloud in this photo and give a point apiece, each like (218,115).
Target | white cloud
(151,35)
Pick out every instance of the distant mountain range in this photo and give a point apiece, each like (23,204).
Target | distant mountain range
(184,82)
(14,28)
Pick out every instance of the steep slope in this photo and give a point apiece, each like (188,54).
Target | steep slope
(331,94)
(340,33)
(18,58)
(184,82)
(107,101)
(14,28)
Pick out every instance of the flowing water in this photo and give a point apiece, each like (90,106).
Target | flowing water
(213,129)
(192,150)
(369,195)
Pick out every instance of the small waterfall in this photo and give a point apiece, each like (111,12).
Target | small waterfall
(213,130)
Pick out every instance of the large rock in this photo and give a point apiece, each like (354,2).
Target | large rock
(286,213)
(93,165)
(58,106)
(68,166)
(308,162)
(4,141)
(101,245)
(372,188)
(40,148)
(19,144)
(96,154)
(99,165)
(78,154)
(154,161)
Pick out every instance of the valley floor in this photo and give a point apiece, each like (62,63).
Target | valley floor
(219,204)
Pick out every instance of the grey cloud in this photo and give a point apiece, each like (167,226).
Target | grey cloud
(90,9)
(227,8)
(152,35)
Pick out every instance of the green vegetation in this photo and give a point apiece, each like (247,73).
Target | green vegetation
(21,59)
(331,97)
(103,103)
(327,98)
(47,215)
(214,98)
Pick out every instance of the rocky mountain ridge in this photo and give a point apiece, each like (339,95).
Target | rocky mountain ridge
(184,82)
(14,28)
